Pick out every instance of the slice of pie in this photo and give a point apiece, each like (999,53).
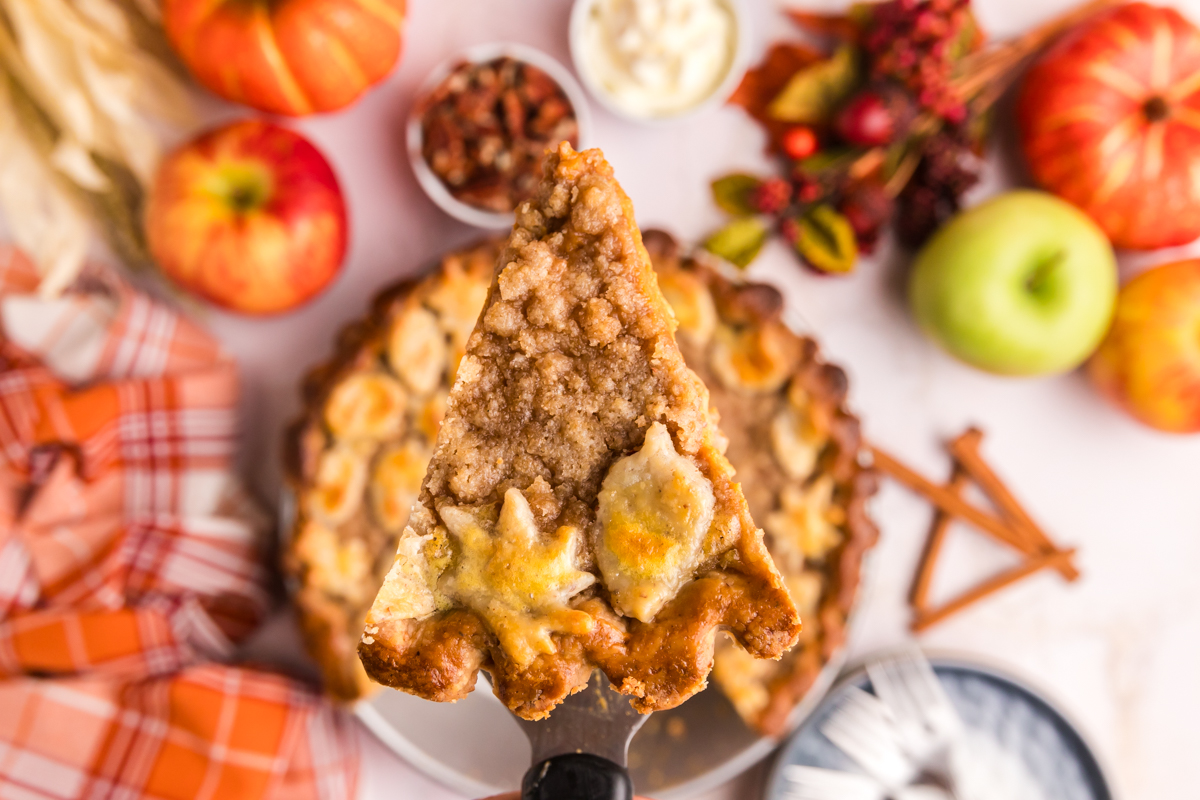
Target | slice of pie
(577,511)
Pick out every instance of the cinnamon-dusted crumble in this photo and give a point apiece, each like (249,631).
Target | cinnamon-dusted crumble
(578,511)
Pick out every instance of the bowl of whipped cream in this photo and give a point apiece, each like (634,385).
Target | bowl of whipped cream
(659,60)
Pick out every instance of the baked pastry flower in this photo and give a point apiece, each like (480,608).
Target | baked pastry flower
(519,582)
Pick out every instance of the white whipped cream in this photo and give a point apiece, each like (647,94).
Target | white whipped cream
(658,58)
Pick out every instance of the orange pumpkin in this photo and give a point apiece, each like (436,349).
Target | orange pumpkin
(291,57)
(1109,119)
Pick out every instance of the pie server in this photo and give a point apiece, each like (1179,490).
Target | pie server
(579,752)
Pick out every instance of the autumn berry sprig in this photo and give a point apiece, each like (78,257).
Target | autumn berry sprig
(919,45)
(889,125)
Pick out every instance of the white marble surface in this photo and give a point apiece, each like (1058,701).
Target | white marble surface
(1119,649)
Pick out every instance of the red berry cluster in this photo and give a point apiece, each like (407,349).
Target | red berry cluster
(789,229)
(808,187)
(771,196)
(912,41)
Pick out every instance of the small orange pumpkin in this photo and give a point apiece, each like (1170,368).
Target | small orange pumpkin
(1110,120)
(292,57)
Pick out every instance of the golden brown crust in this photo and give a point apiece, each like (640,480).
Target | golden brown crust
(573,361)
(451,646)
(679,645)
(324,625)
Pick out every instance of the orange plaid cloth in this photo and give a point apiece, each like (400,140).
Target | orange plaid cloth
(130,566)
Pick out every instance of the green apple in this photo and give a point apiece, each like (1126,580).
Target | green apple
(1023,284)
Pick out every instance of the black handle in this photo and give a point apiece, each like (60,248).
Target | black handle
(576,776)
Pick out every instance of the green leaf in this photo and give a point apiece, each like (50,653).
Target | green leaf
(862,14)
(826,240)
(739,241)
(895,155)
(732,193)
(900,164)
(814,93)
(829,160)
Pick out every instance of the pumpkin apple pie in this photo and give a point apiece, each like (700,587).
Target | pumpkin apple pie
(783,416)
(577,512)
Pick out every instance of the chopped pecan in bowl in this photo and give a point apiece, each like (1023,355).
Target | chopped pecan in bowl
(478,135)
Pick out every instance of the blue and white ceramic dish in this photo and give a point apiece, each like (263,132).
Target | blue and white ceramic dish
(1011,720)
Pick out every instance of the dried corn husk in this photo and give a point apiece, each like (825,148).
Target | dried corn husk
(85,99)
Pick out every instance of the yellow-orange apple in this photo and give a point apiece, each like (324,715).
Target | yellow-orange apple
(249,216)
(1150,361)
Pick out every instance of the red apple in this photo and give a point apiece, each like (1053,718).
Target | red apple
(249,216)
(1150,361)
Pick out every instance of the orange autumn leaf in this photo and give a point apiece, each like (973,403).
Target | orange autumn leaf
(762,83)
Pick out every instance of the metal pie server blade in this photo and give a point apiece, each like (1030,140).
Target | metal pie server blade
(579,752)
